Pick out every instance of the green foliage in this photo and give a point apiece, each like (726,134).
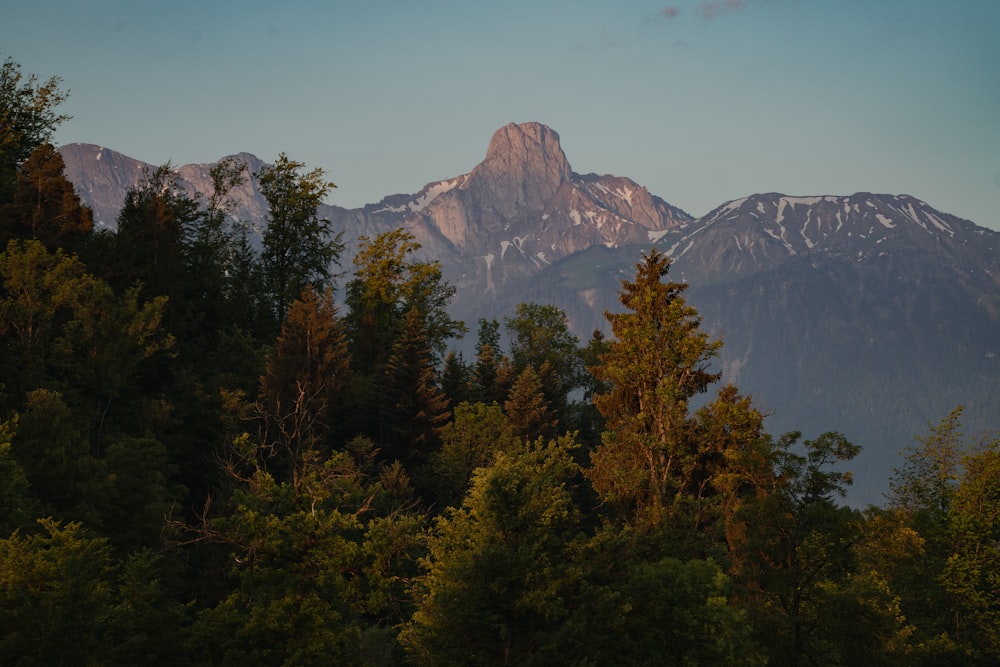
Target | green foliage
(469,441)
(527,408)
(971,572)
(185,412)
(55,597)
(64,474)
(17,507)
(414,408)
(666,612)
(307,570)
(540,339)
(27,119)
(498,571)
(299,248)
(64,329)
(387,284)
(493,373)
(392,297)
(657,364)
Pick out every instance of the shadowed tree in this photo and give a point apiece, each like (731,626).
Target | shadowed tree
(415,408)
(302,389)
(470,441)
(27,120)
(44,205)
(540,338)
(388,287)
(492,371)
(300,248)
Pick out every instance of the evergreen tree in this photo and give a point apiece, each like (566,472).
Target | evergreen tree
(415,409)
(658,362)
(44,205)
(303,385)
(456,380)
(493,373)
(469,441)
(388,286)
(499,570)
(150,240)
(540,338)
(528,409)
(56,592)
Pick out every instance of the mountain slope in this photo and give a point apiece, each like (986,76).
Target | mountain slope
(868,314)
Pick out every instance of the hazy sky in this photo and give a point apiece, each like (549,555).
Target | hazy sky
(700,101)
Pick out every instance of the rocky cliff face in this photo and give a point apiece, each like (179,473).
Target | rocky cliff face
(521,209)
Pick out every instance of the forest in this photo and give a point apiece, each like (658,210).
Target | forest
(224,447)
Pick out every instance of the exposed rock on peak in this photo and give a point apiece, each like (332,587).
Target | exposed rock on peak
(523,169)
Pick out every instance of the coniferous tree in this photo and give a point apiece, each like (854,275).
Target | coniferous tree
(44,205)
(528,409)
(150,239)
(499,570)
(303,385)
(469,441)
(388,286)
(415,408)
(658,362)
(492,371)
(540,338)
(456,380)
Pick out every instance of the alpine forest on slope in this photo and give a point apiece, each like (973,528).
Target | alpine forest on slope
(208,459)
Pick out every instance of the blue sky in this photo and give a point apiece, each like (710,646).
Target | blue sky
(700,101)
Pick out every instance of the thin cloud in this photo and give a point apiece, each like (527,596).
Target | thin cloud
(668,13)
(710,9)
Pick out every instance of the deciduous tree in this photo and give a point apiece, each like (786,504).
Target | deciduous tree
(300,248)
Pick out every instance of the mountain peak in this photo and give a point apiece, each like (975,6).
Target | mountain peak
(527,142)
(524,159)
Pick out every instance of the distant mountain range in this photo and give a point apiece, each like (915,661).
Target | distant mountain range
(868,314)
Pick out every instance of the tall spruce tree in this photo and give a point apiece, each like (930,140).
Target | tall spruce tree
(657,364)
